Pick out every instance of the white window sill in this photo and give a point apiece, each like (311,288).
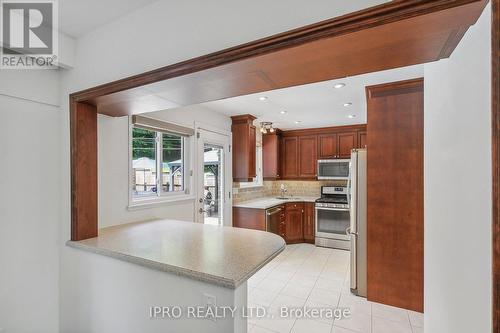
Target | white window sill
(250,186)
(161,201)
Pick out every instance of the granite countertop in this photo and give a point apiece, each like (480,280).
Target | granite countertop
(222,256)
(268,202)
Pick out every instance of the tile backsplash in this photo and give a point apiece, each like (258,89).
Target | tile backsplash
(296,188)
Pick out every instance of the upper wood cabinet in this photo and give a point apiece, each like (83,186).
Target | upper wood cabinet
(290,158)
(307,156)
(294,154)
(327,146)
(271,155)
(244,148)
(346,142)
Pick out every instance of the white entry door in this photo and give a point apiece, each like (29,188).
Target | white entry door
(214,178)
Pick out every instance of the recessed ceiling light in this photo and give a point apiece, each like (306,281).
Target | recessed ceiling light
(283,112)
(262,98)
(339,85)
(297,121)
(347,104)
(351,116)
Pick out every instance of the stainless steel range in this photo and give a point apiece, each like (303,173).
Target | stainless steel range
(333,218)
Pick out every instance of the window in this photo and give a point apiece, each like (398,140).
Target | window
(258,180)
(158,164)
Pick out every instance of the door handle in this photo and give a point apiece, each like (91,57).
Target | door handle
(201,211)
(348,232)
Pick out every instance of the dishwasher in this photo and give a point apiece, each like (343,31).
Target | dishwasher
(274,217)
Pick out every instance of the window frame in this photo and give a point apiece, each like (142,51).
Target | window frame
(160,197)
(258,180)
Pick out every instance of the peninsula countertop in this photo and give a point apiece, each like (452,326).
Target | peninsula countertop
(268,202)
(223,256)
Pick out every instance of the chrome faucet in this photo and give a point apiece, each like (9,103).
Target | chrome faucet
(283,190)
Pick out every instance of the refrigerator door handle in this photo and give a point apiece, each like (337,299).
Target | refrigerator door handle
(354,263)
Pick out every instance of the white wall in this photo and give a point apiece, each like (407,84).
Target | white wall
(113,160)
(116,296)
(29,201)
(458,187)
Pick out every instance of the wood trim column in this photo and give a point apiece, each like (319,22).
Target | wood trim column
(395,184)
(495,144)
(83,127)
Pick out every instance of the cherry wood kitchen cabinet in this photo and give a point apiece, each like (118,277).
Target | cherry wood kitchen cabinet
(249,218)
(244,148)
(294,216)
(327,146)
(290,166)
(271,155)
(346,142)
(307,156)
(295,156)
(309,222)
(362,139)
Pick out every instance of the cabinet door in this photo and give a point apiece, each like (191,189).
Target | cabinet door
(252,164)
(309,222)
(290,152)
(270,156)
(327,146)
(346,142)
(307,156)
(362,139)
(294,222)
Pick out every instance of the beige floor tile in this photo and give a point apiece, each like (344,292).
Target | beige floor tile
(317,305)
(390,313)
(416,318)
(336,329)
(272,285)
(381,325)
(304,279)
(281,274)
(261,297)
(417,329)
(324,296)
(310,326)
(329,284)
(297,290)
(257,329)
(355,304)
(357,322)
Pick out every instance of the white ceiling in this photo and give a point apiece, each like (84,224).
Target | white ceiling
(314,105)
(78,17)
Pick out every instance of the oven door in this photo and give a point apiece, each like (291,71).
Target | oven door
(333,169)
(332,222)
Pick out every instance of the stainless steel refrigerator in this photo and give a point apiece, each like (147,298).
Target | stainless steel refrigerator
(357,228)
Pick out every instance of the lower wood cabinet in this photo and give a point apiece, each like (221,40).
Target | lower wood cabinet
(297,221)
(249,218)
(309,222)
(294,217)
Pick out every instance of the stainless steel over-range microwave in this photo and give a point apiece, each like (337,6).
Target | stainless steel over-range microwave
(334,169)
